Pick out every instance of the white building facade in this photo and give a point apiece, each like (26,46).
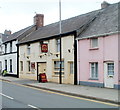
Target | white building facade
(8,58)
(33,61)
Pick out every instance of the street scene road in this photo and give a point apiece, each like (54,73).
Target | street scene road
(20,96)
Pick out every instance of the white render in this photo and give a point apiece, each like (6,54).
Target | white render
(9,55)
(49,57)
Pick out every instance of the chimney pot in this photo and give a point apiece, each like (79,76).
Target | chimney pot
(39,20)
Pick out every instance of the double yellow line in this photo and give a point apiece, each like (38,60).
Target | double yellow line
(106,103)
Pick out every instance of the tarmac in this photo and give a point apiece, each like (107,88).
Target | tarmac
(100,94)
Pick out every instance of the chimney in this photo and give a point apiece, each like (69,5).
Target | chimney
(104,5)
(39,20)
(6,32)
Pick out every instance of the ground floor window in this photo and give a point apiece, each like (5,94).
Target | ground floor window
(6,65)
(57,67)
(21,65)
(11,65)
(110,68)
(28,66)
(71,67)
(94,70)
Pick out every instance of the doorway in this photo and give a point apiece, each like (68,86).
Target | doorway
(41,68)
(109,74)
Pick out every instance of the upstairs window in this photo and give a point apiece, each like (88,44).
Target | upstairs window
(58,45)
(28,49)
(5,48)
(94,43)
(10,46)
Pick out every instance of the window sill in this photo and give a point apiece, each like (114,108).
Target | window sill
(28,73)
(58,53)
(96,48)
(93,79)
(57,75)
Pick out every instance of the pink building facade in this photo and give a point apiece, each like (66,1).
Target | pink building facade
(99,61)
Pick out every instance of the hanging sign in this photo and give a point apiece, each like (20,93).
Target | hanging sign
(32,65)
(44,48)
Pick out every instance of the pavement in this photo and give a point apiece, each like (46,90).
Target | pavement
(101,94)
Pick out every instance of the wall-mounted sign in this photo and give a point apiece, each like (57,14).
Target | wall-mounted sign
(44,48)
(32,65)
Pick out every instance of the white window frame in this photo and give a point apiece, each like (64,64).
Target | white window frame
(95,74)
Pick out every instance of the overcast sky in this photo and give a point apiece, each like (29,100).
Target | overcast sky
(18,14)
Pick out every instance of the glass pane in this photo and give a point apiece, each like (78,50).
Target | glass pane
(94,42)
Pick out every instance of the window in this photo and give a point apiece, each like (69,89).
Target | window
(10,46)
(94,70)
(11,65)
(57,67)
(5,64)
(110,68)
(94,43)
(21,65)
(5,48)
(28,49)
(71,68)
(58,45)
(28,66)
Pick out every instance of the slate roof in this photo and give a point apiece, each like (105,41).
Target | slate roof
(19,34)
(68,25)
(107,22)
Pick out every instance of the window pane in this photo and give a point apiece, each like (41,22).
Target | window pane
(94,42)
(94,70)
(57,67)
(110,67)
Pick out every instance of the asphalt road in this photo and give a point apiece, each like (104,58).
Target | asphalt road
(19,96)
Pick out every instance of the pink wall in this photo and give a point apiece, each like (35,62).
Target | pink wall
(108,50)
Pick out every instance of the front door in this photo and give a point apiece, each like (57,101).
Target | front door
(109,74)
(41,68)
(70,73)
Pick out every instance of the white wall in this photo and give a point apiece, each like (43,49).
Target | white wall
(9,56)
(67,43)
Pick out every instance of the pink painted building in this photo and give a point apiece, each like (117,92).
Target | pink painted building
(98,51)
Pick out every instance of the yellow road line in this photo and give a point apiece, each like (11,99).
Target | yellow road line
(106,103)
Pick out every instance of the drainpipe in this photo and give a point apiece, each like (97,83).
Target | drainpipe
(17,61)
(78,63)
(75,59)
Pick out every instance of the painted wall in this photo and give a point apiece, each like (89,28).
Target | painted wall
(107,51)
(10,55)
(49,57)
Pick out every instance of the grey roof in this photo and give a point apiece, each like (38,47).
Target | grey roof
(106,23)
(68,25)
(19,34)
